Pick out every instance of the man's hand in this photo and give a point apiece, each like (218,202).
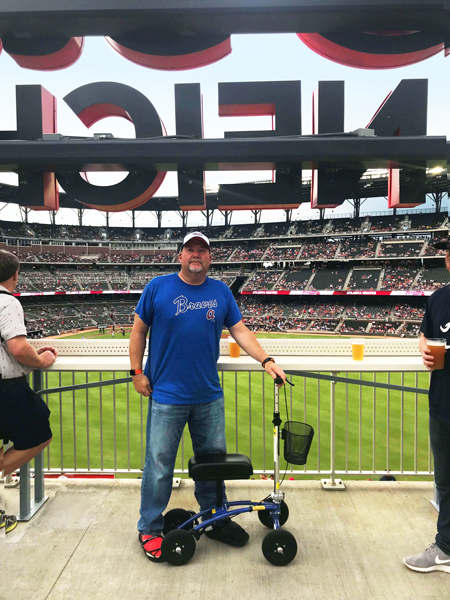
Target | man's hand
(274,371)
(428,359)
(47,358)
(48,349)
(142,384)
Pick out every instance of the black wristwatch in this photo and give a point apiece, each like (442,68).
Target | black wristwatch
(134,372)
(266,360)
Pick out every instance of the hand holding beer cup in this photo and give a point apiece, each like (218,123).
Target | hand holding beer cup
(434,354)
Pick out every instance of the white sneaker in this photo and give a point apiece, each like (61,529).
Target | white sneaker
(431,559)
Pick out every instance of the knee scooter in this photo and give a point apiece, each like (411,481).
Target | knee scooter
(182,528)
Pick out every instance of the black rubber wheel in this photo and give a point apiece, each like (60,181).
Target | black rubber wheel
(178,547)
(266,518)
(279,547)
(174,518)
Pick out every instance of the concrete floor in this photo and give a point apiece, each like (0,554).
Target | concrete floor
(83,545)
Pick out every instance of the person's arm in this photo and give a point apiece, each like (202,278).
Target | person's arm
(427,357)
(24,353)
(248,342)
(138,339)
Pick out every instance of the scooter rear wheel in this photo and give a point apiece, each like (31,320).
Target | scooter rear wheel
(176,517)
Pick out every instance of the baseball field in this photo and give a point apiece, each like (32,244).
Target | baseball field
(104,428)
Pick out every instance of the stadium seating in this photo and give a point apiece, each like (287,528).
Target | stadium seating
(249,251)
(329,279)
(400,248)
(367,311)
(432,278)
(63,258)
(398,278)
(364,279)
(295,280)
(319,249)
(282,252)
(357,249)
(262,280)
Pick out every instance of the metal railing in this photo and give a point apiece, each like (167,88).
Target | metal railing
(365,424)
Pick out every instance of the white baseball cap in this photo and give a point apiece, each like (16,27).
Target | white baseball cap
(196,235)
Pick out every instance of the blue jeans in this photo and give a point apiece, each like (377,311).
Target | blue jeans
(440,445)
(165,424)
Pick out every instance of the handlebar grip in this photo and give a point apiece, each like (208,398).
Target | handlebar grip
(279,380)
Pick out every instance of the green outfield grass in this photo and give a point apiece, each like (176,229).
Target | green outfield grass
(357,417)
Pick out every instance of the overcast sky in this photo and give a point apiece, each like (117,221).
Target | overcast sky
(254,58)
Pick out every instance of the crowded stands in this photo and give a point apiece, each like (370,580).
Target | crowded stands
(315,256)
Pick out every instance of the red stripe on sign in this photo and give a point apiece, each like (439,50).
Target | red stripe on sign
(362,60)
(136,202)
(62,59)
(246,110)
(96,112)
(174,63)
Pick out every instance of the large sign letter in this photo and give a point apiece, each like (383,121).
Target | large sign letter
(43,54)
(331,185)
(282,101)
(170,53)
(36,115)
(189,122)
(94,102)
(404,112)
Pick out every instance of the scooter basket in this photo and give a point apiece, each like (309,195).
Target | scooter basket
(297,442)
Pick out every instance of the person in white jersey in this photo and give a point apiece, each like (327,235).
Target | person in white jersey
(24,416)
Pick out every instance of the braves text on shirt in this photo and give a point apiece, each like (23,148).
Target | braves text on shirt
(183,305)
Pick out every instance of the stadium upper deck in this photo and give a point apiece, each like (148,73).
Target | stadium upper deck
(377,226)
(379,254)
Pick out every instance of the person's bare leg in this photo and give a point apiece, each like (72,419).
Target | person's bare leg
(14,459)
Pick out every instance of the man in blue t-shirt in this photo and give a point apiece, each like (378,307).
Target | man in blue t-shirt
(186,313)
(436,324)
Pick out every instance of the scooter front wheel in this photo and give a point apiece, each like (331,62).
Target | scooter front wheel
(265,516)
(178,547)
(279,547)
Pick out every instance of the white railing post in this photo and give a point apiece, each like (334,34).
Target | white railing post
(333,483)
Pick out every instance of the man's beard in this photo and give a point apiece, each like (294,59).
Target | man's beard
(197,268)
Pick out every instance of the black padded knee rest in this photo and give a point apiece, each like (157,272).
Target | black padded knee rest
(220,467)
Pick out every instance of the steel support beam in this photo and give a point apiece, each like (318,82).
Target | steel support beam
(113,17)
(208,154)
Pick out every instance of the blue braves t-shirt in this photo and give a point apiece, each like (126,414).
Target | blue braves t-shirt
(186,322)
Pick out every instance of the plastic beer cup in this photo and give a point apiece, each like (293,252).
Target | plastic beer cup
(437,348)
(358,348)
(235,350)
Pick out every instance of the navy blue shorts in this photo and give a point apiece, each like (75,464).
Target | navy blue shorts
(24,416)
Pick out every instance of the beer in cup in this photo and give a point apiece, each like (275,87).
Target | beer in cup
(235,350)
(358,348)
(437,348)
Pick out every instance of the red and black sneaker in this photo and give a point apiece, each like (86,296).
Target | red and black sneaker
(151,544)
